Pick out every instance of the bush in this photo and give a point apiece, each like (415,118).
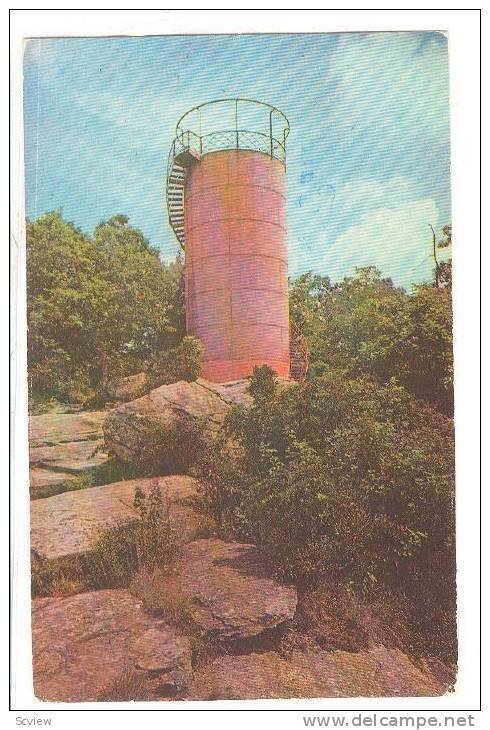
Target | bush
(55,578)
(182,362)
(146,542)
(341,480)
(171,447)
(143,544)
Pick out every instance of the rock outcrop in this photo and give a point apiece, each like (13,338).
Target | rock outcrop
(378,672)
(63,446)
(230,593)
(128,388)
(65,525)
(51,429)
(102,645)
(200,401)
(73,457)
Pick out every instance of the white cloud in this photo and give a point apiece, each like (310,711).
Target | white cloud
(396,240)
(356,224)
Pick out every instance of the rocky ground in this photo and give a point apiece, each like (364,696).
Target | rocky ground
(63,446)
(215,626)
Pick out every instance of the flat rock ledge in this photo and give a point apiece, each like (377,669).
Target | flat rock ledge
(198,400)
(378,672)
(63,446)
(50,429)
(103,646)
(66,525)
(232,596)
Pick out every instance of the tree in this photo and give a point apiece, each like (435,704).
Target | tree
(423,356)
(445,267)
(96,308)
(442,270)
(365,326)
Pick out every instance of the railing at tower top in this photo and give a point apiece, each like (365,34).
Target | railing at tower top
(230,132)
(237,124)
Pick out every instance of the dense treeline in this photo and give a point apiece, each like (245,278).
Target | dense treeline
(364,325)
(106,306)
(98,308)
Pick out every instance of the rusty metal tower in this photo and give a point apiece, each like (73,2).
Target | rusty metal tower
(226,204)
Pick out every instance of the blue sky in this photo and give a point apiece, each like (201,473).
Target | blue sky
(368,153)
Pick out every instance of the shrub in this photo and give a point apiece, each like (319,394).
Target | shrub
(55,578)
(182,362)
(146,542)
(342,480)
(171,447)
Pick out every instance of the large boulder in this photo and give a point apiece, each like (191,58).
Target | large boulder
(230,593)
(65,525)
(377,672)
(166,412)
(102,645)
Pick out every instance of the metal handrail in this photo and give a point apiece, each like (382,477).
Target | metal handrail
(236,101)
(274,142)
(182,143)
(188,140)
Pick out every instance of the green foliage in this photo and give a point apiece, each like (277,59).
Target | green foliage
(144,543)
(97,308)
(41,403)
(54,577)
(182,362)
(341,479)
(171,447)
(366,326)
(423,357)
(263,382)
(443,271)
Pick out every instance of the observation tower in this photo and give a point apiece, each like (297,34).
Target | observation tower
(226,204)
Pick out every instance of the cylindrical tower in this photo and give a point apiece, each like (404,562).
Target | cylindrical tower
(226,201)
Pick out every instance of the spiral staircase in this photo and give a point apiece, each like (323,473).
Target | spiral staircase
(175,200)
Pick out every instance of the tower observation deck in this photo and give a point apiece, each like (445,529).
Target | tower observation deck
(225,192)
